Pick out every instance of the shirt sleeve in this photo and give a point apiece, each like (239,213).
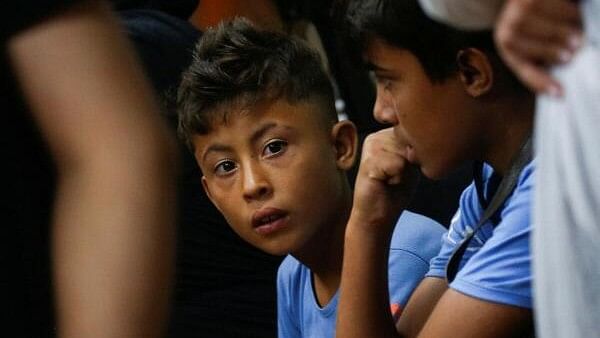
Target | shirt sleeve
(464,14)
(415,241)
(501,270)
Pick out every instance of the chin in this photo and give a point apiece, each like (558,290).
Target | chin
(275,250)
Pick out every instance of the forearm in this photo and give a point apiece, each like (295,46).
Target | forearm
(364,307)
(113,219)
(384,184)
(420,306)
(112,253)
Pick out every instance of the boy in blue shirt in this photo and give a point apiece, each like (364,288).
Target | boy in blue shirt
(257,109)
(449,100)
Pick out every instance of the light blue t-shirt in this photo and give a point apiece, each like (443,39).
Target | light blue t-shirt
(416,239)
(496,266)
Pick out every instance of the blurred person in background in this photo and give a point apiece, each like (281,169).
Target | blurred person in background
(88,236)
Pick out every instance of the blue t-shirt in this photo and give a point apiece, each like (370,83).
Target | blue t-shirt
(415,241)
(496,266)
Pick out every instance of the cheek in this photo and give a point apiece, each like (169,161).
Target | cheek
(319,185)
(225,198)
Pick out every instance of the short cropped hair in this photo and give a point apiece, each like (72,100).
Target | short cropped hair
(403,24)
(236,65)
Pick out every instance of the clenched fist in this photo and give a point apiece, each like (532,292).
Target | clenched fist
(385,183)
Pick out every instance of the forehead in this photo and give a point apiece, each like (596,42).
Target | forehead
(243,124)
(380,55)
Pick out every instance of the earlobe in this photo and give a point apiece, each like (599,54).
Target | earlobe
(345,141)
(476,71)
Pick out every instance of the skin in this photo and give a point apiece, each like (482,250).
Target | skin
(113,217)
(534,34)
(283,156)
(435,126)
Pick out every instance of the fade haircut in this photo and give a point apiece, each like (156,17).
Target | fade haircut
(403,24)
(237,65)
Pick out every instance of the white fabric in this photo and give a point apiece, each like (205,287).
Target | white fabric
(566,240)
(464,14)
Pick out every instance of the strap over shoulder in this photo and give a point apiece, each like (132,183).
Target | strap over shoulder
(505,189)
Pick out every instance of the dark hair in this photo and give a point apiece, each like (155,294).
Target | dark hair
(236,65)
(403,24)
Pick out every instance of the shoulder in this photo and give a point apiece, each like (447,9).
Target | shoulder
(500,270)
(289,266)
(291,273)
(417,234)
(517,209)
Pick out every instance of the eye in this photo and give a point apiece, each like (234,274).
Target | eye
(383,82)
(224,167)
(274,147)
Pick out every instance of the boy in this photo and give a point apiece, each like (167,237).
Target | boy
(566,141)
(449,99)
(257,110)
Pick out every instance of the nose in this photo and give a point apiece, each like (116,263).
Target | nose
(384,111)
(256,185)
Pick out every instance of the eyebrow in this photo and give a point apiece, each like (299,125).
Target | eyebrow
(256,135)
(215,147)
(373,67)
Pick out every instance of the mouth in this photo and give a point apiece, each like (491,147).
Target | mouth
(269,220)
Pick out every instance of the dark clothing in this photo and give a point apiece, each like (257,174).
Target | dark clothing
(180,8)
(224,287)
(28,184)
(18,15)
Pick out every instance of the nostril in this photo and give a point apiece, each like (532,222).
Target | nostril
(263,191)
(257,191)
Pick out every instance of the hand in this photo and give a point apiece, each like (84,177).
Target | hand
(385,182)
(533,35)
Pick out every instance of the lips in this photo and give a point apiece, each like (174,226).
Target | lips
(269,220)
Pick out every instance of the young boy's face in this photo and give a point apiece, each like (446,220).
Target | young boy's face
(434,122)
(275,174)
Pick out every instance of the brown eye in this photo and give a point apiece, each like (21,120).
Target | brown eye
(225,167)
(274,147)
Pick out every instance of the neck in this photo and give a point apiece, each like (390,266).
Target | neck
(324,257)
(509,130)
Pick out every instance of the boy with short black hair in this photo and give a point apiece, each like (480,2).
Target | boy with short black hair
(449,99)
(257,109)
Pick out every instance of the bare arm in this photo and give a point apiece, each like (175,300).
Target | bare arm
(384,185)
(382,188)
(113,219)
(458,315)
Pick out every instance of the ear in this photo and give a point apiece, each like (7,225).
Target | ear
(345,141)
(207,190)
(476,71)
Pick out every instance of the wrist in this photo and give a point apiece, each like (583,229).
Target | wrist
(370,227)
